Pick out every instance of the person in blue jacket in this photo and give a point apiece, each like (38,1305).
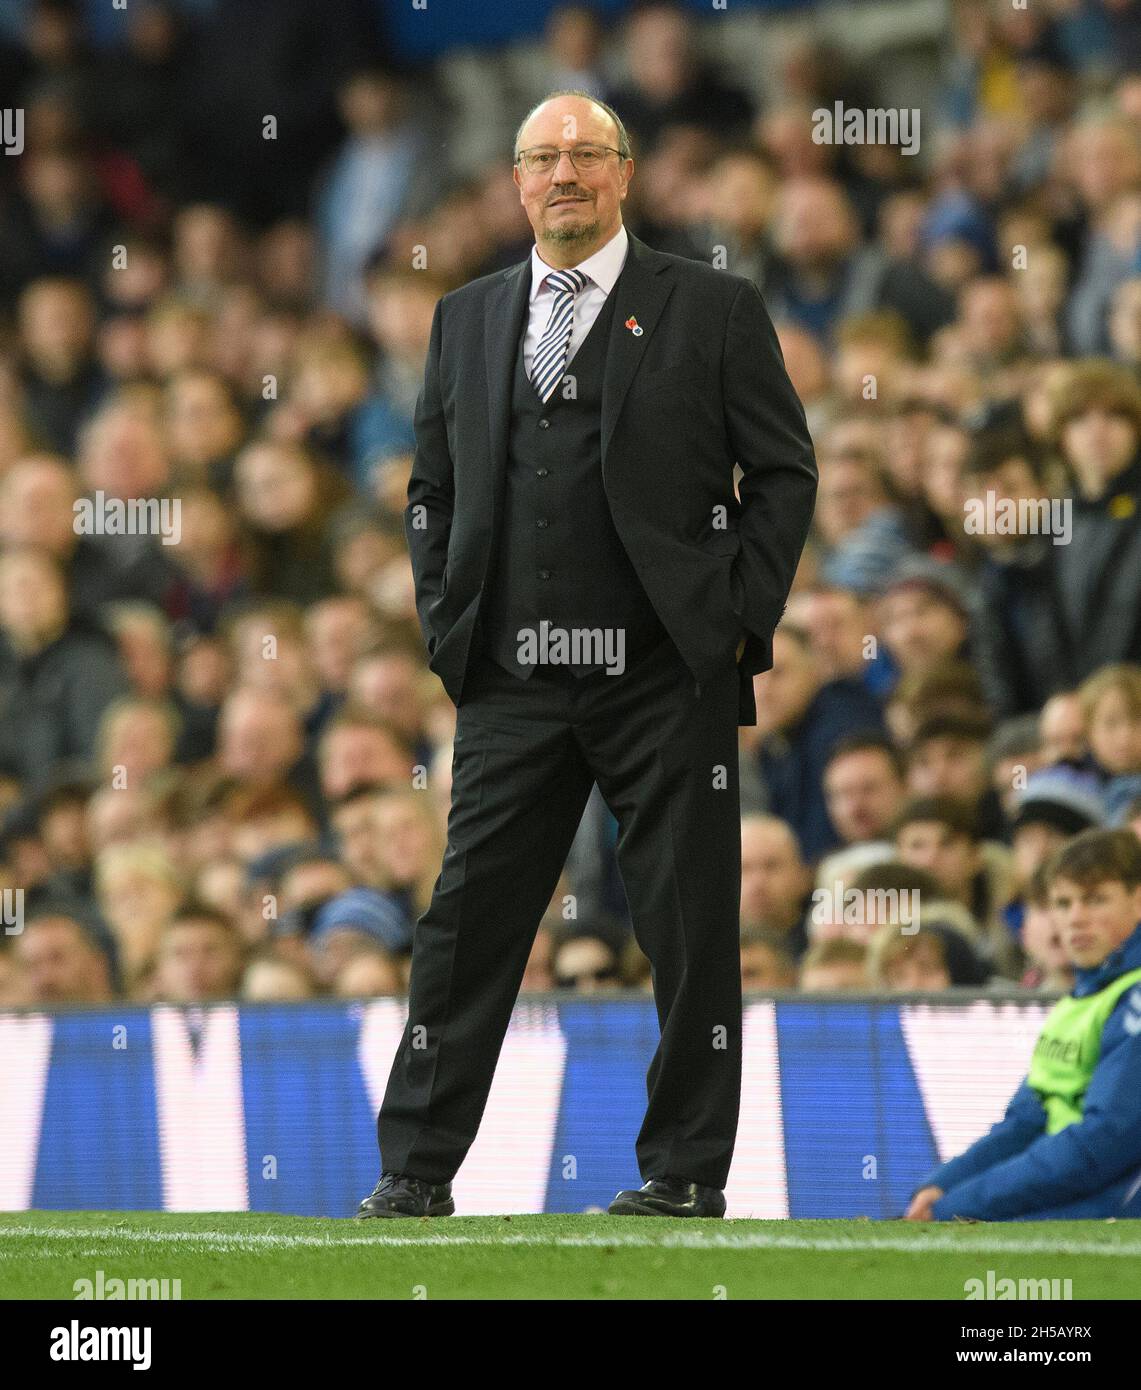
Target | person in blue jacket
(1069,1145)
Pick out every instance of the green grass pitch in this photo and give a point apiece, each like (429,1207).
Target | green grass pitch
(241,1255)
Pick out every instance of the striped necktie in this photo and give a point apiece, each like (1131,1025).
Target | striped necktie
(551,354)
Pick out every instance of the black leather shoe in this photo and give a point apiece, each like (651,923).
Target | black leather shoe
(669,1197)
(396,1194)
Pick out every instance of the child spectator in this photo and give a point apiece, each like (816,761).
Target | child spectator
(1111,703)
(834,966)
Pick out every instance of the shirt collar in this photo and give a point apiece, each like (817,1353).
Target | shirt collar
(603,268)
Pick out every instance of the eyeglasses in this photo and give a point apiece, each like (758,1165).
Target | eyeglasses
(542,159)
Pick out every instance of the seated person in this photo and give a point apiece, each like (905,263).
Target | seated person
(1069,1145)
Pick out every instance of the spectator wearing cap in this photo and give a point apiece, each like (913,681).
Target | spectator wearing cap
(1013,753)
(802,718)
(359,918)
(923,615)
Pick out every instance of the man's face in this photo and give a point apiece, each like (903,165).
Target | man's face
(357,829)
(848,494)
(785,691)
(259,739)
(1094,920)
(918,628)
(947,766)
(199,961)
(390,687)
(1062,729)
(773,876)
(566,207)
(33,601)
(863,795)
(37,506)
(950,857)
(59,965)
(357,753)
(836,625)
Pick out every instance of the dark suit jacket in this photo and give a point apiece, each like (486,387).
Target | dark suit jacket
(702,388)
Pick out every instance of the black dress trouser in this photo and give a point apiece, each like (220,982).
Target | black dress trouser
(663,751)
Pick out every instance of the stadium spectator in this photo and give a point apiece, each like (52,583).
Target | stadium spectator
(1111,702)
(60,962)
(803,717)
(1068,1145)
(934,958)
(668,85)
(199,958)
(775,882)
(1047,965)
(947,756)
(1062,728)
(939,834)
(834,967)
(864,788)
(765,961)
(58,673)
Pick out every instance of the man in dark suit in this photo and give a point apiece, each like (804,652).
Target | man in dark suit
(596,600)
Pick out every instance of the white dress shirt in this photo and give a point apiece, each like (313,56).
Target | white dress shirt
(602,271)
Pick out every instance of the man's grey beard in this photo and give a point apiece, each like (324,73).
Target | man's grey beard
(586,232)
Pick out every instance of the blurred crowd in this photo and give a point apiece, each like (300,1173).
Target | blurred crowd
(224,765)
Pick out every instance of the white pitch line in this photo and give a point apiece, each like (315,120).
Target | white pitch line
(253,1241)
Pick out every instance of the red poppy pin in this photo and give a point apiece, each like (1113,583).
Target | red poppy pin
(634,326)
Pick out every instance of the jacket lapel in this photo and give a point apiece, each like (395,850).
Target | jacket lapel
(642,290)
(502,327)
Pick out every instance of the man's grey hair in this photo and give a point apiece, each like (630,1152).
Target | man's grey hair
(623,145)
